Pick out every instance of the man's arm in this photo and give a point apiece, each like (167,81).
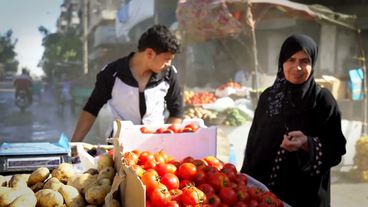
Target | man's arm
(174,99)
(84,124)
(100,95)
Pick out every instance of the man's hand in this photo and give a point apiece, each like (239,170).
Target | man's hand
(295,140)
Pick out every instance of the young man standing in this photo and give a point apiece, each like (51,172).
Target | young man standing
(137,86)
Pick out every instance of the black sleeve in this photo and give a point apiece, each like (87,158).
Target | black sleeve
(329,147)
(102,92)
(174,97)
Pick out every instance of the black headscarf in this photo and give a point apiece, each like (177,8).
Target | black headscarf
(303,95)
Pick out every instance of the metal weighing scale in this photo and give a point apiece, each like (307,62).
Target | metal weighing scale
(27,157)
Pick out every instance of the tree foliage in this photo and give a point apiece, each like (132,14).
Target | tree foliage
(8,59)
(62,54)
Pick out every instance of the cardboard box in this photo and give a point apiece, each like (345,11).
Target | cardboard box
(199,144)
(337,87)
(129,189)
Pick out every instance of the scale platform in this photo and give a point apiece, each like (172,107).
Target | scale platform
(27,157)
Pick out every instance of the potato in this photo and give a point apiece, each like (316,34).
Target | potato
(3,181)
(88,184)
(105,160)
(18,180)
(63,172)
(96,195)
(80,181)
(92,171)
(53,184)
(39,175)
(114,203)
(107,172)
(49,198)
(91,206)
(3,190)
(71,196)
(8,197)
(38,186)
(28,200)
(104,181)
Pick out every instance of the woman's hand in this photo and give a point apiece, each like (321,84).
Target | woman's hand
(295,140)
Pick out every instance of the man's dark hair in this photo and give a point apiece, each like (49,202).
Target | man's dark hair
(160,39)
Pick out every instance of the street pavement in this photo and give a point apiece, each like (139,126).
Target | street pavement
(42,123)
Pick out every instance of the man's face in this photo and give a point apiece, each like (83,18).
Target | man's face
(158,62)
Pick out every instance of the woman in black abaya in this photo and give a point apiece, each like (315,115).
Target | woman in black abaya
(296,134)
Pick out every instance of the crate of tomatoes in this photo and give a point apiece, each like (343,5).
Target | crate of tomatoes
(158,179)
(192,137)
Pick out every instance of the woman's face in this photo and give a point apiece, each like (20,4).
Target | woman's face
(297,68)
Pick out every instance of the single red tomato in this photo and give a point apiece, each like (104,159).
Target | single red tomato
(173,127)
(164,155)
(212,169)
(170,180)
(137,152)
(151,181)
(192,196)
(168,131)
(255,192)
(139,170)
(229,167)
(268,199)
(185,183)
(152,171)
(176,195)
(188,159)
(206,188)
(240,204)
(253,203)
(213,199)
(200,165)
(230,174)
(173,204)
(145,156)
(243,195)
(143,129)
(242,177)
(150,164)
(188,171)
(163,168)
(228,196)
(160,197)
(160,130)
(212,161)
(159,158)
(130,158)
(187,129)
(201,178)
(194,127)
(218,181)
(241,186)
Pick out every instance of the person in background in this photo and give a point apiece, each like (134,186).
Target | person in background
(24,82)
(296,136)
(138,86)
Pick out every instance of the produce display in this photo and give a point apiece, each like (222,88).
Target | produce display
(191,97)
(61,187)
(194,182)
(172,129)
(231,85)
(193,112)
(229,117)
(234,117)
(360,170)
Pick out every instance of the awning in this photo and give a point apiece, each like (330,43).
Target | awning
(212,19)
